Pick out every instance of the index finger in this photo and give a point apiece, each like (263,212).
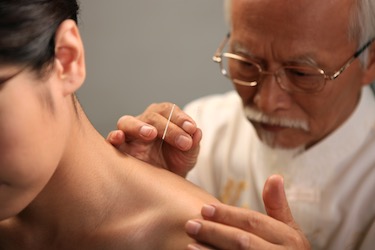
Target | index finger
(174,126)
(133,128)
(223,236)
(168,111)
(248,220)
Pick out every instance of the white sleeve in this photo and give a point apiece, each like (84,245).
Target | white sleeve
(213,115)
(369,239)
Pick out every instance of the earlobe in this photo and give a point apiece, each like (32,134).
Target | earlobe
(69,57)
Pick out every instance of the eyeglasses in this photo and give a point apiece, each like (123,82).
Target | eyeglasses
(302,79)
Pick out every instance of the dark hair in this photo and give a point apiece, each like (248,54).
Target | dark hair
(27,30)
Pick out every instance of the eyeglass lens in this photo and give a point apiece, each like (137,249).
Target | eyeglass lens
(292,78)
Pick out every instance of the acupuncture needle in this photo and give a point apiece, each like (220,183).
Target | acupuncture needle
(166,126)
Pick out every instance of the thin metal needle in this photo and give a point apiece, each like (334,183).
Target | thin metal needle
(166,127)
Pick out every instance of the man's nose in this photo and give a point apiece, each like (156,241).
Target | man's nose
(269,96)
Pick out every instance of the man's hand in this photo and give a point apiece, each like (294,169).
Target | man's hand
(226,227)
(141,137)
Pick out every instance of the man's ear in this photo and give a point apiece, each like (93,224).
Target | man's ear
(369,75)
(69,57)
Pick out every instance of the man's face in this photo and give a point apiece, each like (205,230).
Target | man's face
(276,33)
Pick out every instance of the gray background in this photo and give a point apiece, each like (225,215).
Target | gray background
(144,51)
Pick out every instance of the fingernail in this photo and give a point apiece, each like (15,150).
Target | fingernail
(183,142)
(146,130)
(208,210)
(117,135)
(193,227)
(187,126)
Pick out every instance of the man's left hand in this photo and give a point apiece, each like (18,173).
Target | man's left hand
(227,227)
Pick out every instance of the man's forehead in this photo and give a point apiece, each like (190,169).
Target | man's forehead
(318,11)
(286,19)
(293,3)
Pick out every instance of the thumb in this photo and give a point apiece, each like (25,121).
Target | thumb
(275,201)
(116,138)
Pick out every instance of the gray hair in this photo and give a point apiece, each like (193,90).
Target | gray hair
(227,10)
(361,27)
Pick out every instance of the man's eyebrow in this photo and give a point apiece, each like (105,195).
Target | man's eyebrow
(239,48)
(307,59)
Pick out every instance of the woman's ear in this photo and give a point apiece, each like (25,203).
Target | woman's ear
(69,57)
(369,75)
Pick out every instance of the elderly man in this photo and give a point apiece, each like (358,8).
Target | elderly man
(303,109)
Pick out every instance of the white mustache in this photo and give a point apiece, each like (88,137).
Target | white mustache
(257,116)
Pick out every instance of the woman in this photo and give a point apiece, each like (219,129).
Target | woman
(61,184)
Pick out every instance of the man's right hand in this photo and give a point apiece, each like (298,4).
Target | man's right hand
(141,137)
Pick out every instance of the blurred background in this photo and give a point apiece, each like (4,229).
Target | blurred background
(144,51)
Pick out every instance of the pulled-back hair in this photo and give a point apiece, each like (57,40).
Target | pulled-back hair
(27,30)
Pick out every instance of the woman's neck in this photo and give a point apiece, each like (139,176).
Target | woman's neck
(86,183)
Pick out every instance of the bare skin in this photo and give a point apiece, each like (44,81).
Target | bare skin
(249,229)
(228,227)
(63,186)
(179,149)
(263,30)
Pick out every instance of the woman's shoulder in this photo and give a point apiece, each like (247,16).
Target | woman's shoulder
(157,207)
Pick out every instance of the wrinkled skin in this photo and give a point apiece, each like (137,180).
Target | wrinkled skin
(273,33)
(178,151)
